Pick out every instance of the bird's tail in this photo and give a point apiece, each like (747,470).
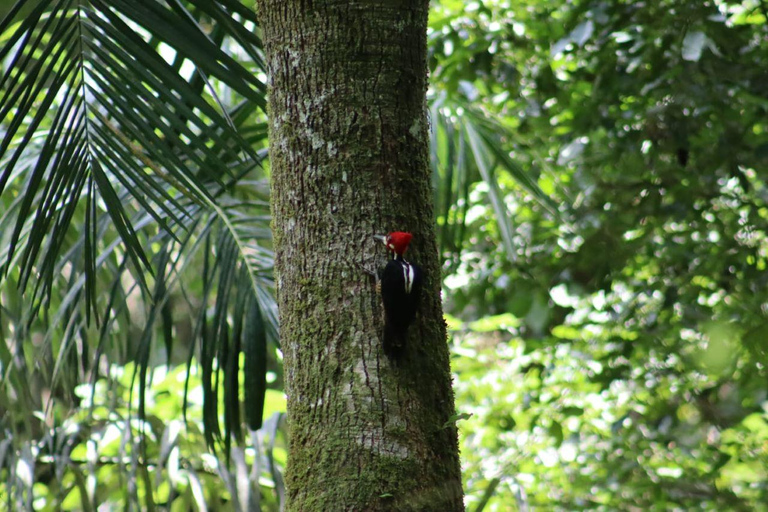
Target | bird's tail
(394,341)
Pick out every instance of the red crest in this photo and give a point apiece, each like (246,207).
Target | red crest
(398,241)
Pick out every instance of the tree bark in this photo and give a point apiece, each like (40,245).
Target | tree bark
(349,159)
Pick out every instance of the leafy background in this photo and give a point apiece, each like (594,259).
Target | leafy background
(599,181)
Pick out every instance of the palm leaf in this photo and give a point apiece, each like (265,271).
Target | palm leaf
(467,147)
(130,136)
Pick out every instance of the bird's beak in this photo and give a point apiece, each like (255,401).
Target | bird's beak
(381,238)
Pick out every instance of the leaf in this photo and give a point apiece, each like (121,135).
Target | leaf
(196,487)
(453,419)
(127,128)
(582,32)
(693,44)
(271,427)
(495,323)
(490,490)
(255,366)
(482,158)
(573,411)
(556,431)
(116,59)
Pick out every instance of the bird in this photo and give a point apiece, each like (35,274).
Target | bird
(399,283)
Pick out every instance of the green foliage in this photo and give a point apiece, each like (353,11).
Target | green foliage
(104,455)
(634,358)
(134,230)
(571,424)
(600,194)
(130,154)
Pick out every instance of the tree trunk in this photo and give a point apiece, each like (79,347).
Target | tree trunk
(349,159)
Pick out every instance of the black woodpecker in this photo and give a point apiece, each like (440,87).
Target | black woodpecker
(400,282)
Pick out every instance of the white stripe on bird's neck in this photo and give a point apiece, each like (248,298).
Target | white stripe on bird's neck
(407,276)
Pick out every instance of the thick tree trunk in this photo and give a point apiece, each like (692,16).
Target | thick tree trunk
(349,157)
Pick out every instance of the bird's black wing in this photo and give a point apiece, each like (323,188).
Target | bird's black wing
(401,300)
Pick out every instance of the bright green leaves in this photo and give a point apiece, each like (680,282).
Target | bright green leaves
(127,128)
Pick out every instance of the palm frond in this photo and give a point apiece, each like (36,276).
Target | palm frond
(128,133)
(466,147)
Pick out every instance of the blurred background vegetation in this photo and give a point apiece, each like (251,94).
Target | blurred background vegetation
(599,173)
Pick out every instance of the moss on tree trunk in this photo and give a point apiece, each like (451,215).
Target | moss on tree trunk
(349,159)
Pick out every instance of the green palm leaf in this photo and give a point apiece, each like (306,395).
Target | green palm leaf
(467,147)
(131,141)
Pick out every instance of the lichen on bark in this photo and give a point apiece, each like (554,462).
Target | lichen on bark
(349,159)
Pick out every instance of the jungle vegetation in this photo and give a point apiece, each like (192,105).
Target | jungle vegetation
(598,173)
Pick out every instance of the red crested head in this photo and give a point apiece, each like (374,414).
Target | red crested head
(398,241)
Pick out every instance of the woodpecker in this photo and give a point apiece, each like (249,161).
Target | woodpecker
(400,285)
